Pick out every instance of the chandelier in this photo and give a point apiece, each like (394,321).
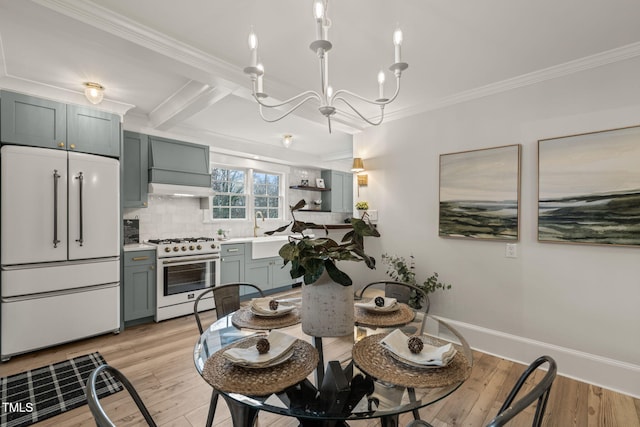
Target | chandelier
(327,98)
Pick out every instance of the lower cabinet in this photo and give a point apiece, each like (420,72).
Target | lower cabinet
(238,266)
(232,268)
(139,287)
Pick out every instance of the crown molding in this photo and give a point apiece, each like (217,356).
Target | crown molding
(582,64)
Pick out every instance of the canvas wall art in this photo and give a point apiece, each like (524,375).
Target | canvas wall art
(589,188)
(480,193)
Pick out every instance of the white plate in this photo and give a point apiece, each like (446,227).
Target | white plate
(278,313)
(419,365)
(382,310)
(275,362)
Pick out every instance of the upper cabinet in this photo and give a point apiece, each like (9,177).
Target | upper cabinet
(27,120)
(135,167)
(178,162)
(341,195)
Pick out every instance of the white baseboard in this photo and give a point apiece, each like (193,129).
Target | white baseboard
(601,371)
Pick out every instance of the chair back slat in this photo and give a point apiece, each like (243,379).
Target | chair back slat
(226,298)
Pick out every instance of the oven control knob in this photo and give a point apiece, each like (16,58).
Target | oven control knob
(167,249)
(213,246)
(184,248)
(191,247)
(199,247)
(176,249)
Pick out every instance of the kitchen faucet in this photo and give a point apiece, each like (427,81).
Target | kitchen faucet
(255,223)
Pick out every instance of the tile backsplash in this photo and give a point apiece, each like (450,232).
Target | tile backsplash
(168,216)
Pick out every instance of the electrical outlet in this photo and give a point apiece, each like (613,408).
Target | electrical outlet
(511,250)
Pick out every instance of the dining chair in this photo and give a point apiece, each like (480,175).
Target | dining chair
(227,300)
(401,291)
(100,416)
(509,409)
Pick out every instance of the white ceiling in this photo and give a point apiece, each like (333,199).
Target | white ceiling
(175,68)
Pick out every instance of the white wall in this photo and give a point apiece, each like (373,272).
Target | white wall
(578,303)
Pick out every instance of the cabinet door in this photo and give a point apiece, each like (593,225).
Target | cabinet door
(135,165)
(139,292)
(347,192)
(92,131)
(281,275)
(232,269)
(259,274)
(32,121)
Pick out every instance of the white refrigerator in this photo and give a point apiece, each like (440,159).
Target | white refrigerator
(60,247)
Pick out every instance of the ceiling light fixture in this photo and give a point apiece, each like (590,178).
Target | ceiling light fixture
(327,97)
(287,140)
(94,92)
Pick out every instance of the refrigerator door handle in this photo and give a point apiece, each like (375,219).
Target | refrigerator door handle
(80,179)
(56,177)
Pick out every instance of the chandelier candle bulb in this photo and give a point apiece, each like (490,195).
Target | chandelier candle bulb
(318,13)
(253,48)
(397,41)
(381,84)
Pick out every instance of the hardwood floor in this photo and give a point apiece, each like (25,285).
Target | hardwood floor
(158,360)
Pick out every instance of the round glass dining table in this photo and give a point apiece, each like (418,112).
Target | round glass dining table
(353,385)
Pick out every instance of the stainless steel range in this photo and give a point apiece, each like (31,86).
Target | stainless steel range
(186,267)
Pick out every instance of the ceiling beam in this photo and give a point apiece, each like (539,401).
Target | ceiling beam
(190,99)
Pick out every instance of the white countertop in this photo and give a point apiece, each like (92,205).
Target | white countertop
(138,247)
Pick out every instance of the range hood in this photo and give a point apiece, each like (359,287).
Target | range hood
(178,168)
(179,190)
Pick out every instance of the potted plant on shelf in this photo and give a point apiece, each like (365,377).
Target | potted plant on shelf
(398,270)
(327,298)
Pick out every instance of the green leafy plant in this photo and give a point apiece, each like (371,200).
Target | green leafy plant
(220,232)
(310,257)
(362,205)
(400,271)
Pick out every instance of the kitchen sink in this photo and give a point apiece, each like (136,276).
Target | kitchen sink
(267,247)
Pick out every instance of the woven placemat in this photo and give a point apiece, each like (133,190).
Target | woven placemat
(399,317)
(244,318)
(376,361)
(225,376)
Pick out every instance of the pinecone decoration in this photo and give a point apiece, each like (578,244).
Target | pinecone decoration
(415,345)
(379,301)
(273,305)
(263,345)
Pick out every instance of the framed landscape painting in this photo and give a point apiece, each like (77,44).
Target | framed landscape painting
(589,188)
(480,193)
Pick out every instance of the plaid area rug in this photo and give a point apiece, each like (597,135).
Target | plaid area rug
(36,395)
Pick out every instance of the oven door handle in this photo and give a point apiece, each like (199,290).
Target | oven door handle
(189,260)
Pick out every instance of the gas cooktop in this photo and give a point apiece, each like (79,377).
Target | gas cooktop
(181,240)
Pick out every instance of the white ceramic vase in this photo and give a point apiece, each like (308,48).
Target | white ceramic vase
(327,308)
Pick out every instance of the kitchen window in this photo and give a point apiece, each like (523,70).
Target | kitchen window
(230,198)
(237,192)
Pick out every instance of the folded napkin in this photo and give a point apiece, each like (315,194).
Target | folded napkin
(390,304)
(396,342)
(280,345)
(260,306)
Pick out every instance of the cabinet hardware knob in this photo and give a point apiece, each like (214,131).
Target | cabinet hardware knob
(60,144)
(73,146)
(144,203)
(151,267)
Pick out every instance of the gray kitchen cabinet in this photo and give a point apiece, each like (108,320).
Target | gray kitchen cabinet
(135,165)
(27,120)
(267,273)
(232,267)
(341,197)
(139,286)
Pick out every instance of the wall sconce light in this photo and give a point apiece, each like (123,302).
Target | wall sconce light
(358,165)
(94,92)
(363,181)
(287,140)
